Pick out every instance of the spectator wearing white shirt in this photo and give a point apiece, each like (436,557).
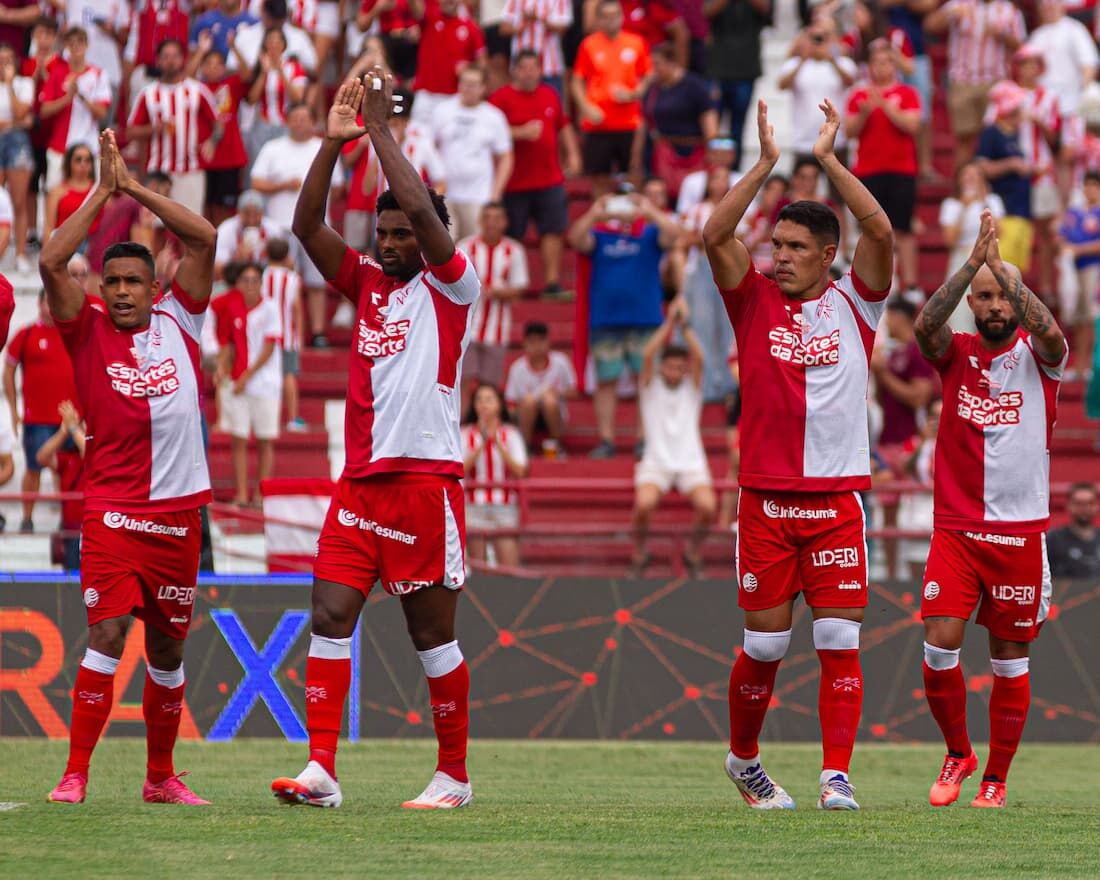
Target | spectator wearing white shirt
(16,158)
(721,153)
(283,285)
(475,142)
(278,173)
(107,24)
(501,264)
(816,70)
(538,385)
(1069,54)
(493,452)
(251,405)
(249,39)
(243,237)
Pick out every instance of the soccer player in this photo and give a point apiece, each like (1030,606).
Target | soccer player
(7,308)
(137,377)
(804,345)
(991,491)
(397,515)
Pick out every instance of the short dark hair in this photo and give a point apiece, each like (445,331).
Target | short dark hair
(471,411)
(156,177)
(75,31)
(803,162)
(275,9)
(901,304)
(674,350)
(1092,177)
(277,249)
(125,250)
(45,21)
(246,265)
(171,41)
(524,53)
(230,273)
(816,217)
(666,50)
(535,328)
(299,105)
(387,201)
(1082,486)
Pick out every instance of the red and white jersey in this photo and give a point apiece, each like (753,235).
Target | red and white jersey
(274,101)
(283,286)
(501,265)
(141,394)
(406,360)
(187,113)
(974,55)
(523,379)
(541,34)
(992,469)
(804,366)
(263,324)
(75,124)
(489,466)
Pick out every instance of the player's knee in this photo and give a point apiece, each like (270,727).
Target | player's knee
(940,659)
(163,652)
(549,401)
(766,647)
(332,622)
(427,635)
(836,634)
(108,637)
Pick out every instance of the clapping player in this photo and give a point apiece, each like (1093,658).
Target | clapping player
(804,347)
(992,490)
(397,514)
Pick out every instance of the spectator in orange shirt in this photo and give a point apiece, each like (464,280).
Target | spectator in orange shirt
(611,73)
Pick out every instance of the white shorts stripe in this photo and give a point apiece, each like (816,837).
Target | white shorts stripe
(454,563)
(1047,588)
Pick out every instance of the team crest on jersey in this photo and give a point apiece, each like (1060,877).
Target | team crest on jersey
(825,306)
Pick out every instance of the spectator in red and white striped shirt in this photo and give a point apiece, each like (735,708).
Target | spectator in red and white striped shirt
(283,284)
(501,264)
(493,451)
(982,35)
(176,115)
(278,81)
(537,26)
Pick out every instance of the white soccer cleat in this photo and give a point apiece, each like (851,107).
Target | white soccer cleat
(442,793)
(837,793)
(757,788)
(312,787)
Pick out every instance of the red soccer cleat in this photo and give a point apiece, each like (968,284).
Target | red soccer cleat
(990,795)
(955,771)
(171,791)
(72,789)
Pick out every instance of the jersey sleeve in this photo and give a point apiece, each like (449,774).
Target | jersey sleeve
(356,271)
(738,300)
(568,374)
(273,330)
(1051,371)
(457,279)
(76,331)
(188,311)
(950,212)
(224,243)
(140,114)
(517,449)
(18,343)
(101,91)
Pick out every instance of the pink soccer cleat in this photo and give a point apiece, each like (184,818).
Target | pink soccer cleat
(991,794)
(955,771)
(171,791)
(72,789)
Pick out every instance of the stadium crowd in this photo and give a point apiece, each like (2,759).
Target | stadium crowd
(220,104)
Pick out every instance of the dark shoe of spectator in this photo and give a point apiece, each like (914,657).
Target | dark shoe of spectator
(638,565)
(318,340)
(34,243)
(695,568)
(604,449)
(556,292)
(639,449)
(26,527)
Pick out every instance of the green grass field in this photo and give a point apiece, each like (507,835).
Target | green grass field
(545,809)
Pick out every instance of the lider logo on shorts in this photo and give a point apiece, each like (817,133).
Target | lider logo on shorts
(91,597)
(817,351)
(353,520)
(931,590)
(114,520)
(1022,595)
(772,510)
(179,595)
(156,381)
(384,341)
(1004,409)
(843,557)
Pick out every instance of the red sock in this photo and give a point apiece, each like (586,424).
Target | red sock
(1008,705)
(750,693)
(450,698)
(93,696)
(946,693)
(839,703)
(327,684)
(160,706)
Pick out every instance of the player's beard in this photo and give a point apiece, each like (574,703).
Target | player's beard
(997,335)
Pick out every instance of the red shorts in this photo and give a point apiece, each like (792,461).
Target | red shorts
(406,530)
(801,542)
(144,564)
(1009,574)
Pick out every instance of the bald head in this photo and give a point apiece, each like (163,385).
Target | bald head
(985,281)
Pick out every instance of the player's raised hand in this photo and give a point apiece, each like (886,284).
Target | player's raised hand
(769,151)
(826,138)
(107,178)
(342,121)
(377,95)
(123,180)
(979,254)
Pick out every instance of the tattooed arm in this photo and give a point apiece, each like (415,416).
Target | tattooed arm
(1046,336)
(933,334)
